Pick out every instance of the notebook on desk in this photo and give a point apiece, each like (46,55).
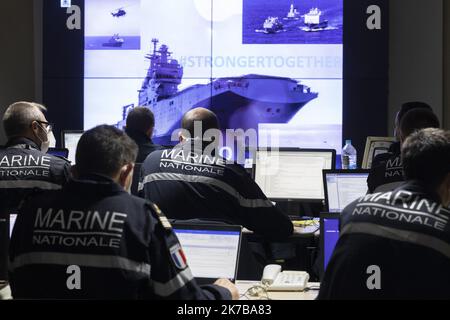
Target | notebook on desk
(211,251)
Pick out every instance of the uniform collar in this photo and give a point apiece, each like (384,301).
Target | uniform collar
(420,188)
(94,184)
(137,136)
(395,148)
(197,146)
(23,143)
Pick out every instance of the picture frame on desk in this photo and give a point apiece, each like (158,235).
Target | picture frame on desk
(374,147)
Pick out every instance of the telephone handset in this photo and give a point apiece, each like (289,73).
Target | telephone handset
(275,280)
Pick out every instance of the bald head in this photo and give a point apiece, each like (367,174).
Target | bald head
(19,116)
(197,116)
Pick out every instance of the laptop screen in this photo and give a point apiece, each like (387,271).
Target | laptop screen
(211,251)
(342,188)
(59,152)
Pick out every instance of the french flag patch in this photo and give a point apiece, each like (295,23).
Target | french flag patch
(178,257)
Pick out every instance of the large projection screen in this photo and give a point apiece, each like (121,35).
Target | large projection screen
(272,66)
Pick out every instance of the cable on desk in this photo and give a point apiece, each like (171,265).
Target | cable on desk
(308,223)
(258,291)
(312,288)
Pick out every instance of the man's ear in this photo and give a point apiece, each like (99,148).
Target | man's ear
(34,126)
(125,173)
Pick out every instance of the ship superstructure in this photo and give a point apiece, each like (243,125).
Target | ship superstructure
(240,102)
(313,20)
(272,25)
(293,13)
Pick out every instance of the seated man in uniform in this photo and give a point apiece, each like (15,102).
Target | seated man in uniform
(395,245)
(25,165)
(189,182)
(394,150)
(93,240)
(388,174)
(139,127)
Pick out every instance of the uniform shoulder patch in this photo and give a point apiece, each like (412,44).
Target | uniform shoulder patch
(161,217)
(178,256)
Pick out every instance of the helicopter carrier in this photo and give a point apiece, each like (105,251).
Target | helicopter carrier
(240,102)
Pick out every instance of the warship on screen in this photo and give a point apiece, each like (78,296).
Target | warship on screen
(239,102)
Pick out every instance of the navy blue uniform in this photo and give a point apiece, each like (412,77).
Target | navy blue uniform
(145,144)
(24,169)
(406,234)
(386,173)
(188,185)
(123,245)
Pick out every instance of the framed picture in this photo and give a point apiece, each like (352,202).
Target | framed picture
(374,147)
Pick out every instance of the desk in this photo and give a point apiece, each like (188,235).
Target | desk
(300,249)
(243,286)
(310,231)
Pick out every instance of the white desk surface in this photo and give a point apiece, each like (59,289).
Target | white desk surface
(243,286)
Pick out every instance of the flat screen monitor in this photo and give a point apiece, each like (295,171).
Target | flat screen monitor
(293,174)
(274,67)
(212,252)
(329,236)
(342,187)
(70,141)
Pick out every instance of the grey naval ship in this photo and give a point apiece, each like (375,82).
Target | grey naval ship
(239,102)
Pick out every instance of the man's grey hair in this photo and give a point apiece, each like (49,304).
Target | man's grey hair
(19,116)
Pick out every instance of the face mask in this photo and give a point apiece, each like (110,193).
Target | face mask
(46,144)
(52,139)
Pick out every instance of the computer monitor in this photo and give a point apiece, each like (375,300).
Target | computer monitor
(293,174)
(212,251)
(64,153)
(329,236)
(70,141)
(342,187)
(374,147)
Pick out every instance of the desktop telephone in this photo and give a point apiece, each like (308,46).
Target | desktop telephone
(275,280)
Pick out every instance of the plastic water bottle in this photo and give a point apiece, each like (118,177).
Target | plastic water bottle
(349,156)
